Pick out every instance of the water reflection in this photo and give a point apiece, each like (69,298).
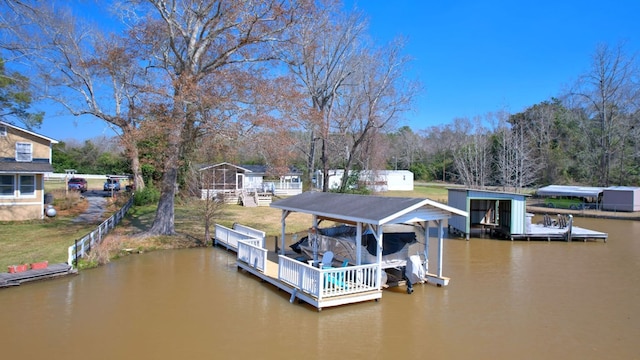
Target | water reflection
(524,300)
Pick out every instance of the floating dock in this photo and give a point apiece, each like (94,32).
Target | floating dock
(51,271)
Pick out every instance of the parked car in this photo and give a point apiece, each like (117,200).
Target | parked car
(77,184)
(112,184)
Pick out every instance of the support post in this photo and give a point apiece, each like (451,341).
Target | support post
(284,225)
(379,240)
(440,245)
(359,243)
(426,246)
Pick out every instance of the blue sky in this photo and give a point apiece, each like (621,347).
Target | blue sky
(474,57)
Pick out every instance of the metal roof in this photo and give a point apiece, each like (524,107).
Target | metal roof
(488,192)
(257,169)
(376,210)
(565,190)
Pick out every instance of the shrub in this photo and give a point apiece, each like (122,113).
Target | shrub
(149,195)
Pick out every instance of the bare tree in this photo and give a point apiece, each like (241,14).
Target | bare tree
(85,71)
(193,44)
(515,164)
(472,160)
(323,57)
(373,101)
(608,93)
(212,204)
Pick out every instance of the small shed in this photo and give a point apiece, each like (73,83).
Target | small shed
(621,198)
(494,211)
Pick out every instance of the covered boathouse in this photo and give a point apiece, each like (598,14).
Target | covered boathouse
(504,215)
(492,211)
(356,280)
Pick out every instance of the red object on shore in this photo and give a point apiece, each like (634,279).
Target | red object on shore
(39,265)
(18,268)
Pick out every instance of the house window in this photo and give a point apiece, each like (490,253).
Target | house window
(24,151)
(27,185)
(3,131)
(6,185)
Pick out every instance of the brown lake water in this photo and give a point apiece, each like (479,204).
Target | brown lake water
(506,300)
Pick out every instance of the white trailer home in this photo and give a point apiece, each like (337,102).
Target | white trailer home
(374,180)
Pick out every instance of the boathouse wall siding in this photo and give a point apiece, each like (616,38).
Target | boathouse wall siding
(457,198)
(621,198)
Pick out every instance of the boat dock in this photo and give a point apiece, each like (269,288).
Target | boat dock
(314,287)
(51,271)
(549,233)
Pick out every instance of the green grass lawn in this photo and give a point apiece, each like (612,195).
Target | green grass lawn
(47,239)
(32,241)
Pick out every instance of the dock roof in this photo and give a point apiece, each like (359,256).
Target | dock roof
(368,209)
(565,190)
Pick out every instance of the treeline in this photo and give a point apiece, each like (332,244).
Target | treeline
(97,156)
(548,143)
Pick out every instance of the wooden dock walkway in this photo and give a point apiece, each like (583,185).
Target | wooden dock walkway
(51,271)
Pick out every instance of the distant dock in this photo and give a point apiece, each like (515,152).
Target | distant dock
(51,271)
(549,233)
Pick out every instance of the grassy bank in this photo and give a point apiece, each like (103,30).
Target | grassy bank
(48,239)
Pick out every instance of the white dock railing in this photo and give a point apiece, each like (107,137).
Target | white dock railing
(284,188)
(82,247)
(230,237)
(252,252)
(335,281)
(257,234)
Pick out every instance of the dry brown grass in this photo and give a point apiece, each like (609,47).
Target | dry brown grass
(68,203)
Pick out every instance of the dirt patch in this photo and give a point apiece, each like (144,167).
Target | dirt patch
(78,207)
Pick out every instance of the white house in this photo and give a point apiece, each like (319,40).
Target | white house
(25,159)
(238,180)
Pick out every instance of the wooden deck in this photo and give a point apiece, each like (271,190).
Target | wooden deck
(549,233)
(270,275)
(320,288)
(52,271)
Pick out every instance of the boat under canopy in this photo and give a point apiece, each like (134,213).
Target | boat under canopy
(366,217)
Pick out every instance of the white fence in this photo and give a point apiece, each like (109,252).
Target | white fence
(82,247)
(62,177)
